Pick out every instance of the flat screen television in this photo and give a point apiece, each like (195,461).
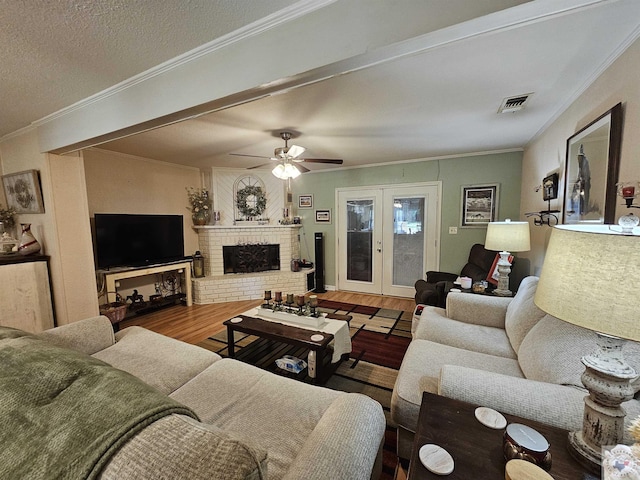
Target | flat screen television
(132,240)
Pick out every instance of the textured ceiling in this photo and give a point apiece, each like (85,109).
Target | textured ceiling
(57,52)
(440,101)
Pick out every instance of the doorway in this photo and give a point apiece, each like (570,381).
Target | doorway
(387,237)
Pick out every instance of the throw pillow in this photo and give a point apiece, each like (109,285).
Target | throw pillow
(522,314)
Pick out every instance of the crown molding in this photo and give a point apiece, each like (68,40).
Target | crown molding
(270,22)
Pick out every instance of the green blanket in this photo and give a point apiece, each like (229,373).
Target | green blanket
(63,414)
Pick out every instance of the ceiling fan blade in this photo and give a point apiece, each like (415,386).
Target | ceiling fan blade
(336,161)
(258,166)
(295,151)
(245,155)
(302,168)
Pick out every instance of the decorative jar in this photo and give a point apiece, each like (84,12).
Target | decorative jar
(28,243)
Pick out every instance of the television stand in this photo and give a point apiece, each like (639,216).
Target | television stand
(112,276)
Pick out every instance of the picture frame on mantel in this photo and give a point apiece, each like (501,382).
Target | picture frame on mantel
(591,170)
(22,191)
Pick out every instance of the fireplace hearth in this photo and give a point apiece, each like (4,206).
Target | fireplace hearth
(251,258)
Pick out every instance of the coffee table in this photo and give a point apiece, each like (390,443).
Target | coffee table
(476,449)
(295,336)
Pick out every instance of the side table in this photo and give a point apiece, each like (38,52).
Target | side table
(476,449)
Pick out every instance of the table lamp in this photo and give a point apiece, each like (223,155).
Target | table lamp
(506,237)
(590,278)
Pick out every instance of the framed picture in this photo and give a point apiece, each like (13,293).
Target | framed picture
(550,187)
(323,216)
(305,201)
(591,171)
(23,192)
(479,205)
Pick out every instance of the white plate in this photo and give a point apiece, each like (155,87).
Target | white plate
(490,418)
(236,320)
(317,338)
(436,459)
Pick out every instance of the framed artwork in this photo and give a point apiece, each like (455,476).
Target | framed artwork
(550,187)
(23,193)
(479,205)
(323,216)
(591,171)
(305,201)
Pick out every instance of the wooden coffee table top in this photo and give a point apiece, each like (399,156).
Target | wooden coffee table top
(278,331)
(476,449)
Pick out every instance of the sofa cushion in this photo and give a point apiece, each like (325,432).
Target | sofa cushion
(180,447)
(436,327)
(275,412)
(552,351)
(420,372)
(522,313)
(162,362)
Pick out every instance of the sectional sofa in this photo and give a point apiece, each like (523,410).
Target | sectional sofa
(212,417)
(502,353)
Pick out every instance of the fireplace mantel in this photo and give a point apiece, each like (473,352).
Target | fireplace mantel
(248,225)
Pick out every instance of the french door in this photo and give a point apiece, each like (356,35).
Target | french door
(387,237)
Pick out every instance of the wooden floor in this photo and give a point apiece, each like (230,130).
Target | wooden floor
(196,323)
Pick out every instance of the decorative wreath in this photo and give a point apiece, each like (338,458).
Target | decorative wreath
(244,194)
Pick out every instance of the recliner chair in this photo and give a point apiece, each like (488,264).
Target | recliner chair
(433,291)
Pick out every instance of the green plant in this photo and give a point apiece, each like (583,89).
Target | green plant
(6,217)
(198,199)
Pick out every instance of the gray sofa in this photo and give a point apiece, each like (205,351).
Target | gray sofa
(503,353)
(252,424)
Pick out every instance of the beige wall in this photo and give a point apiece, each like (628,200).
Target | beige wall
(546,153)
(118,183)
(63,230)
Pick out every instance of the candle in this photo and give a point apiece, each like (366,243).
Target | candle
(267,294)
(301,300)
(278,296)
(628,192)
(313,301)
(289,298)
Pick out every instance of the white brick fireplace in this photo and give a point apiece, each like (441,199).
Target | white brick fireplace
(217,287)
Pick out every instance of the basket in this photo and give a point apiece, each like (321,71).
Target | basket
(114,311)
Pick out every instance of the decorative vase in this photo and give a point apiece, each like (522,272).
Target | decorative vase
(201,217)
(28,243)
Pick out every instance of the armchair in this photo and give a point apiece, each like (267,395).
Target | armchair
(433,291)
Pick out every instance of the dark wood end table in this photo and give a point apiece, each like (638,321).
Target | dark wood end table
(476,449)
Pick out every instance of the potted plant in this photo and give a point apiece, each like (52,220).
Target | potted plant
(200,205)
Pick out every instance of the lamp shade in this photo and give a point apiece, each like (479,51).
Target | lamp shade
(508,236)
(591,278)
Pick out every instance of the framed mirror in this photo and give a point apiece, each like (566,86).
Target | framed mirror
(591,171)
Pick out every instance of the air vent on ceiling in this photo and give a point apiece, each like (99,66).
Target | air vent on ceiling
(513,104)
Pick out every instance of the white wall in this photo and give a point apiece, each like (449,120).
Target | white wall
(547,152)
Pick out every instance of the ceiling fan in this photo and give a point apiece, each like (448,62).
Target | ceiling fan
(289,159)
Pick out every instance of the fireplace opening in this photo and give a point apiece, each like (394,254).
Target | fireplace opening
(249,258)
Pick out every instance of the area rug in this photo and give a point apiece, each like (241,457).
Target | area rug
(379,339)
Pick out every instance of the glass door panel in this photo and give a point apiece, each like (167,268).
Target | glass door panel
(408,240)
(360,223)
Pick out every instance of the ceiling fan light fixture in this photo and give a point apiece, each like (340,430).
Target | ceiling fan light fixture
(285,171)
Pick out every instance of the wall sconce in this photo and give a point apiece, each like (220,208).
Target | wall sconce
(629,191)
